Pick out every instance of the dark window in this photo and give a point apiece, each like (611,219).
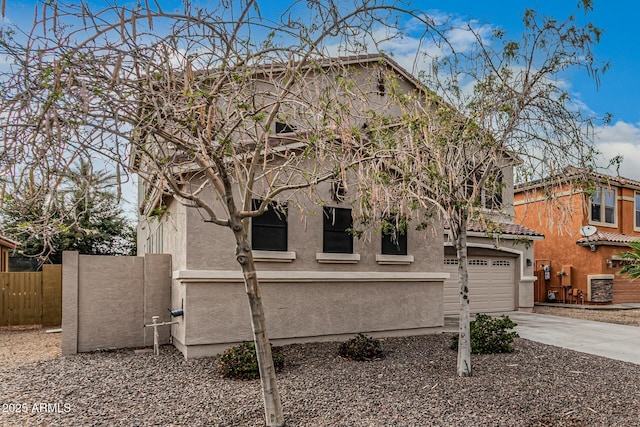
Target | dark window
(394,238)
(284,128)
(596,206)
(469,187)
(637,224)
(269,230)
(382,89)
(338,191)
(493,194)
(336,231)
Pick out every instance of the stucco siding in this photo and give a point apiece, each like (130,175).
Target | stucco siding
(107,300)
(217,312)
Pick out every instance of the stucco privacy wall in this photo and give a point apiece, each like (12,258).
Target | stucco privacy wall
(303,306)
(106,300)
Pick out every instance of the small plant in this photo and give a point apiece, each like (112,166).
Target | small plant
(490,335)
(240,362)
(361,348)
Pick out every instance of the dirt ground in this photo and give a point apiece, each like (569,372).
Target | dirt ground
(24,344)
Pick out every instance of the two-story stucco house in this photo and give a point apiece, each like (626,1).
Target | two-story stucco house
(580,255)
(320,282)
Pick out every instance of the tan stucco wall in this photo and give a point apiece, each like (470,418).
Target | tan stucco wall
(211,247)
(106,300)
(174,232)
(301,306)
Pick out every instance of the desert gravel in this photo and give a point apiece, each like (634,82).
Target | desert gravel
(23,344)
(415,385)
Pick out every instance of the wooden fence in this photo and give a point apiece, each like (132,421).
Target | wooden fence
(31,298)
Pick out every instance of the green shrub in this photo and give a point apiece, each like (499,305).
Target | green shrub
(361,348)
(240,362)
(490,335)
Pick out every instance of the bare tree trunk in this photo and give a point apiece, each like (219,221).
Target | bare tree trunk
(270,394)
(464,333)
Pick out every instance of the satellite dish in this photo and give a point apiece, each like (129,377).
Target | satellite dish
(588,230)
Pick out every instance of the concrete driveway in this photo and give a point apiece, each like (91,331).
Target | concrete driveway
(620,342)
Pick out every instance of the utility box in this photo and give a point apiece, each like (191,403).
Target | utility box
(565,278)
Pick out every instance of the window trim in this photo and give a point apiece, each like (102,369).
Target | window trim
(383,259)
(636,210)
(337,258)
(273,256)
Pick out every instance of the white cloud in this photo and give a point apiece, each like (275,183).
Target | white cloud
(413,46)
(621,139)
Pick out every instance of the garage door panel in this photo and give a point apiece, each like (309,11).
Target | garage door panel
(491,285)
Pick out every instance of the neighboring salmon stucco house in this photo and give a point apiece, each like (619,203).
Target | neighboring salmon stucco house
(317,280)
(579,259)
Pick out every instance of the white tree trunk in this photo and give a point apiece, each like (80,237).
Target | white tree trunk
(464,333)
(270,394)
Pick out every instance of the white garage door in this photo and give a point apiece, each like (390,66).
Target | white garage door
(491,285)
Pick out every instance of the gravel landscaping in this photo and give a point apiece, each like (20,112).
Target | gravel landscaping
(415,385)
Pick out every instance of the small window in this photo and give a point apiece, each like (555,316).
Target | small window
(150,247)
(637,210)
(596,206)
(284,128)
(603,206)
(609,206)
(269,230)
(394,237)
(493,193)
(338,191)
(481,262)
(336,231)
(382,87)
(159,239)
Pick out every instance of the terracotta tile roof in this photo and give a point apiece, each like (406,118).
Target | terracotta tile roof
(602,237)
(503,228)
(569,173)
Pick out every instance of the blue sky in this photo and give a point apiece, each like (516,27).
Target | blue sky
(619,91)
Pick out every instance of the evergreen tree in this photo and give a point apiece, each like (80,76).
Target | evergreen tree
(82,216)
